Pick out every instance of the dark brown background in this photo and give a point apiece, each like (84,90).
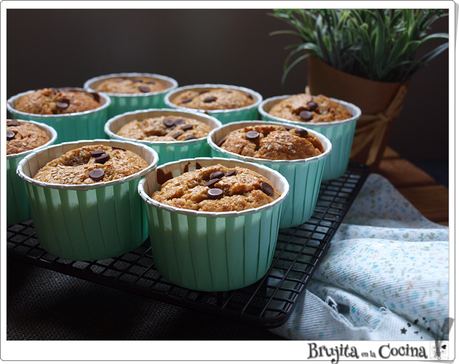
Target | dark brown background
(56,48)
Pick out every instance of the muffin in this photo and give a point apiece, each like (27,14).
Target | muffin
(173,134)
(132,91)
(298,154)
(83,197)
(213,250)
(226,103)
(335,119)
(23,138)
(74,113)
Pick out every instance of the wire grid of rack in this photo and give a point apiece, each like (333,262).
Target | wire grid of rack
(267,303)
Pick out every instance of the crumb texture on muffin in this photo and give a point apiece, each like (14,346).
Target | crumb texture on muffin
(308,108)
(213,99)
(21,137)
(130,85)
(217,189)
(57,101)
(165,128)
(90,164)
(274,142)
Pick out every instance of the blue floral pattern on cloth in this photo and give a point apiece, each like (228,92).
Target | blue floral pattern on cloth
(384,277)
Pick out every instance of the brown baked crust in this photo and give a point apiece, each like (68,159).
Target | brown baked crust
(274,142)
(165,128)
(130,85)
(241,191)
(213,99)
(74,167)
(327,110)
(27,136)
(56,101)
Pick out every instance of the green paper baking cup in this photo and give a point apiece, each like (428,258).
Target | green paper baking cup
(212,251)
(87,222)
(168,151)
(122,103)
(340,134)
(83,125)
(17,209)
(225,116)
(303,175)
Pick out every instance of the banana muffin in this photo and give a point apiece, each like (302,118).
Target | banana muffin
(21,137)
(216,188)
(49,101)
(166,128)
(213,99)
(90,164)
(274,142)
(130,85)
(307,108)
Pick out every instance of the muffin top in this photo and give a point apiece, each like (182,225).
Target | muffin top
(130,85)
(307,108)
(274,142)
(213,99)
(90,164)
(216,188)
(165,128)
(21,137)
(50,101)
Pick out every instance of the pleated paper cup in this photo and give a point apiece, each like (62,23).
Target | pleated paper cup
(69,127)
(212,251)
(122,103)
(16,196)
(340,134)
(87,222)
(303,175)
(168,151)
(225,116)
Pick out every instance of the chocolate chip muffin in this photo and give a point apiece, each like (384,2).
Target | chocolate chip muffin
(91,164)
(22,136)
(213,99)
(274,142)
(165,128)
(216,188)
(130,85)
(307,108)
(51,101)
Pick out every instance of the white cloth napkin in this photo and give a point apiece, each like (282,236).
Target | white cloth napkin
(384,277)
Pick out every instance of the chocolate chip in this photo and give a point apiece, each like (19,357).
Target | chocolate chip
(187,127)
(137,81)
(97,153)
(203,92)
(169,122)
(252,134)
(162,177)
(301,132)
(215,193)
(118,148)
(144,89)
(186,100)
(312,105)
(97,174)
(217,174)
(198,166)
(267,188)
(176,135)
(210,99)
(249,96)
(306,115)
(288,128)
(13,123)
(179,121)
(62,105)
(10,134)
(211,182)
(102,159)
(151,82)
(190,137)
(220,143)
(230,173)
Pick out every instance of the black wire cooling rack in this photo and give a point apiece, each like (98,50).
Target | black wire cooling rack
(267,303)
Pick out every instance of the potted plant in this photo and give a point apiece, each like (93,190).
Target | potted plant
(363,56)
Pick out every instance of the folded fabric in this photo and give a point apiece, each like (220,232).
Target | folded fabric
(384,277)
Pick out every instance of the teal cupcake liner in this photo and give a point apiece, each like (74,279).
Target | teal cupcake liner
(225,116)
(303,175)
(69,127)
(87,222)
(340,134)
(210,251)
(122,103)
(17,205)
(167,151)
